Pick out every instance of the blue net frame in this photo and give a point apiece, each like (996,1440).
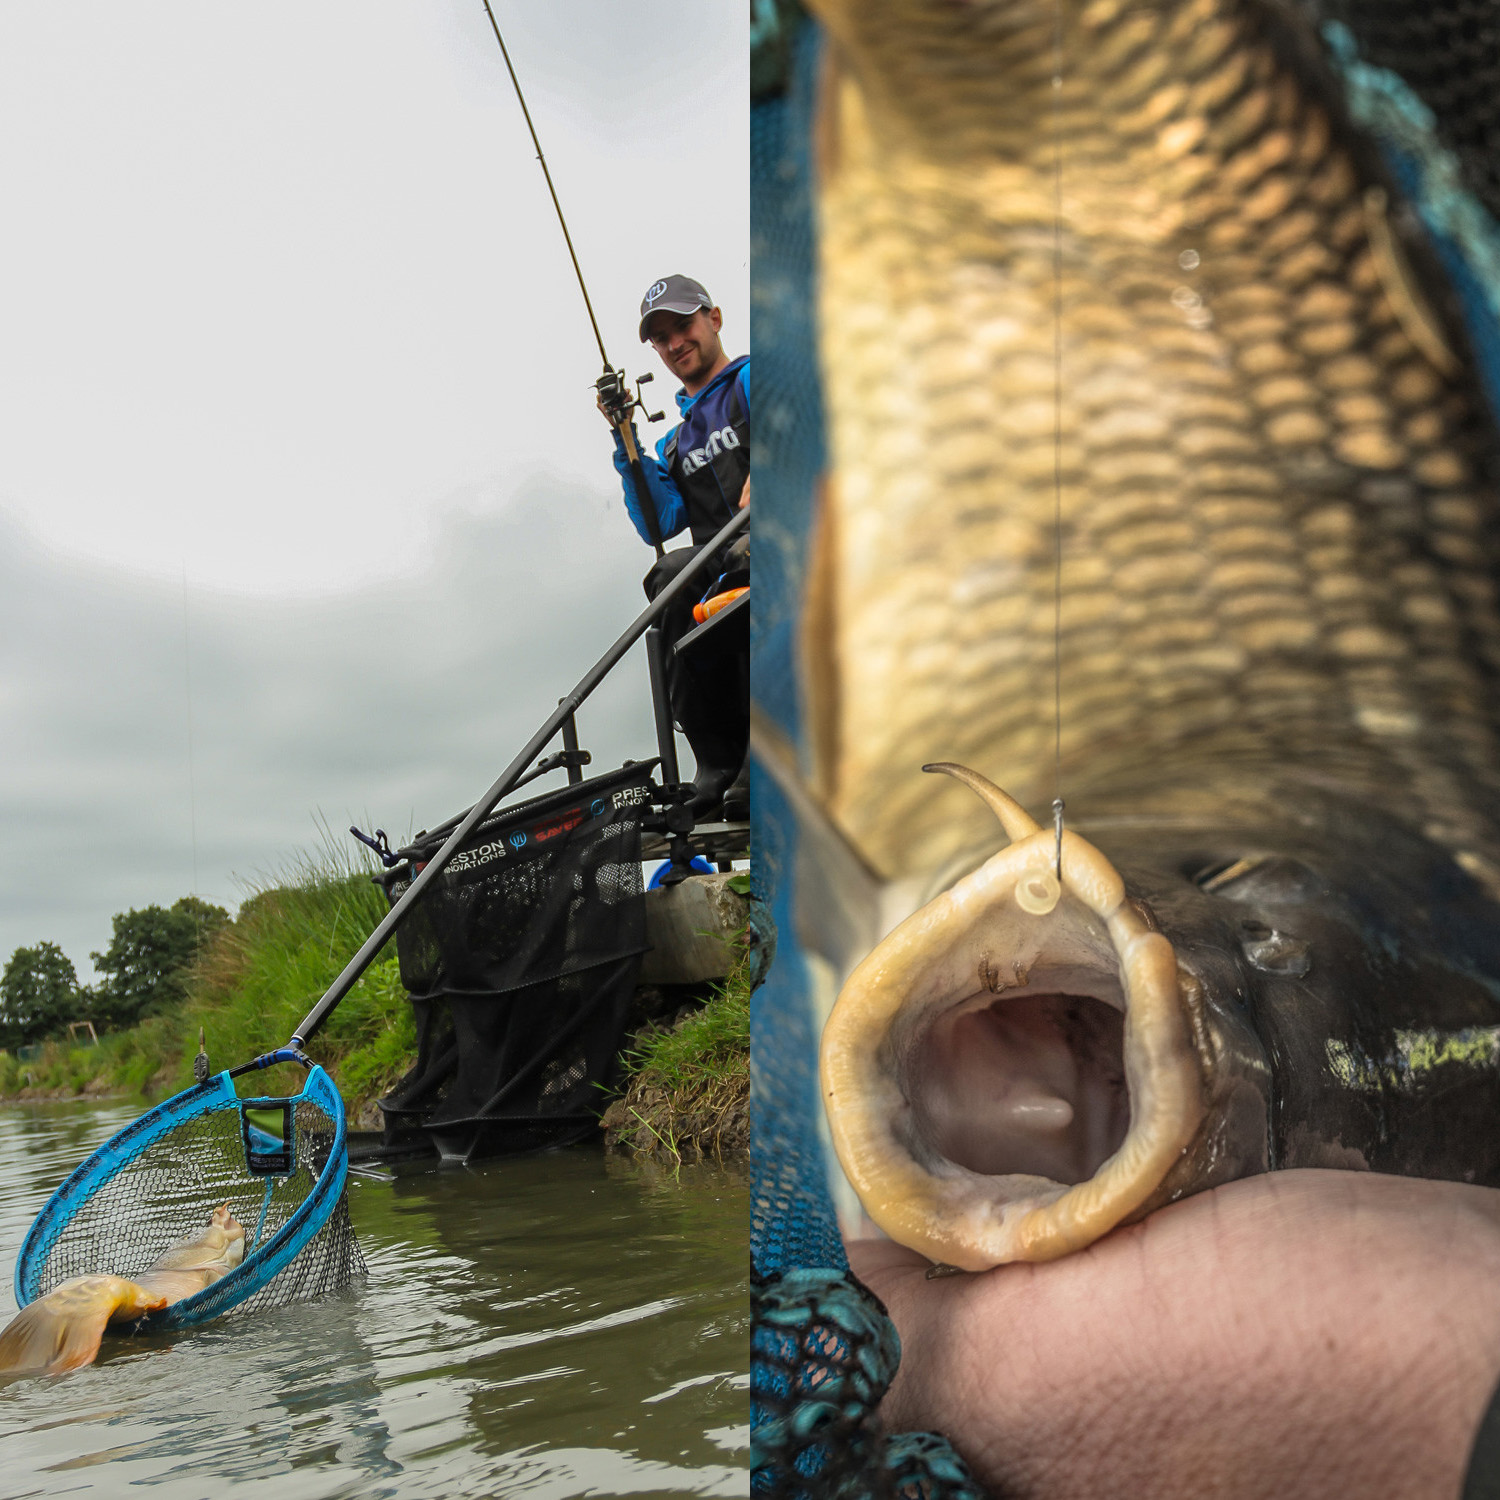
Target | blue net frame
(159,1180)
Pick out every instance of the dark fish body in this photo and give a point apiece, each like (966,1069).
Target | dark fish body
(1180,283)
(1346,974)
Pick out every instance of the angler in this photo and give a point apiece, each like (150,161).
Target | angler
(699,479)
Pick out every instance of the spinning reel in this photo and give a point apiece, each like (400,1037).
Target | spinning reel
(618,401)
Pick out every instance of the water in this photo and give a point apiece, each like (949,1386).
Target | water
(566,1325)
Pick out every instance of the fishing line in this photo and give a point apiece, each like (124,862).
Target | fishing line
(1057,533)
(577,271)
(615,399)
(187,672)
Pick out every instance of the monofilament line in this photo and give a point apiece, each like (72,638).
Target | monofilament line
(187,677)
(562,222)
(1057,433)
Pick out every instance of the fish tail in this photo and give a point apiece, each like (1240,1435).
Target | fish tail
(62,1331)
(43,1340)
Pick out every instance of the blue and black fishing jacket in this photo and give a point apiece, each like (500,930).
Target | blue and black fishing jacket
(701,465)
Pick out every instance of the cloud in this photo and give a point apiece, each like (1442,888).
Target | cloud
(304,504)
(395,704)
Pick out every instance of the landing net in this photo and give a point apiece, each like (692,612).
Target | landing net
(280,1164)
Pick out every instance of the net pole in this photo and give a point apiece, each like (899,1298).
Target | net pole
(591,679)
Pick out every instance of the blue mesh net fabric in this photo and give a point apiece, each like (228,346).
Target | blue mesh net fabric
(824,1354)
(792,1220)
(788,433)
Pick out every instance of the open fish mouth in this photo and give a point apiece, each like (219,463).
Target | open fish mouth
(1013,1071)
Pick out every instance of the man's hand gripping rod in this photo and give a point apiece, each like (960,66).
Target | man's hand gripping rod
(616,402)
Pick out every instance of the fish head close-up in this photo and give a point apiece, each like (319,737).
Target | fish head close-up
(226,1236)
(218,1247)
(1029,1061)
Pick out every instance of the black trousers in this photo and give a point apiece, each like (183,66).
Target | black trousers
(709,689)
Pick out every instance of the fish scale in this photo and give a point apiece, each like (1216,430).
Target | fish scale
(1278,512)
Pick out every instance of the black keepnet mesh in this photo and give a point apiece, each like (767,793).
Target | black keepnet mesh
(521,960)
(1448,53)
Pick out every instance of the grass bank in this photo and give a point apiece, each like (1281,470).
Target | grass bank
(688,1089)
(688,1085)
(248,991)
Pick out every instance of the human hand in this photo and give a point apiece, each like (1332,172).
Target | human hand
(745,493)
(1298,1334)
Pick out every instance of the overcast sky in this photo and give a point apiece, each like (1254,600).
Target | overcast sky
(304,504)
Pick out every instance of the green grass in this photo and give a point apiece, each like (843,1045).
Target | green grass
(711,1046)
(288,944)
(690,1086)
(123,1062)
(263,973)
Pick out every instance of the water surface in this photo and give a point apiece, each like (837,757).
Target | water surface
(564,1325)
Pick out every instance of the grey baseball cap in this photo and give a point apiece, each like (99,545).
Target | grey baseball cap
(678,294)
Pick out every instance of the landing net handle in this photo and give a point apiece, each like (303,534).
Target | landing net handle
(125,1148)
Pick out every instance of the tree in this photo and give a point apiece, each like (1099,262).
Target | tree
(39,994)
(143,971)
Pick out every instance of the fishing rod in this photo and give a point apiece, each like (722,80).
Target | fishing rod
(615,397)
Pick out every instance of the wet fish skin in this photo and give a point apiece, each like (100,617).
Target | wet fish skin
(62,1330)
(1280,637)
(1342,973)
(1279,542)
(216,1250)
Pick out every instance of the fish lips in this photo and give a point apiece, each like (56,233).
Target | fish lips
(984,955)
(1317,995)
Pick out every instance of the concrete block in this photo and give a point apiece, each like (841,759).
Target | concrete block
(689,927)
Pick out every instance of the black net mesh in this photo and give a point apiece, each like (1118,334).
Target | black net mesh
(1449,54)
(329,1261)
(521,961)
(170,1190)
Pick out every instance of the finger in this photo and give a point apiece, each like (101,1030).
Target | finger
(886,1267)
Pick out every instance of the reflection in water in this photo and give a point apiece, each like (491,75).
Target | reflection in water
(561,1326)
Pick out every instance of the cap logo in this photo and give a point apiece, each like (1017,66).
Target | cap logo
(656,291)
